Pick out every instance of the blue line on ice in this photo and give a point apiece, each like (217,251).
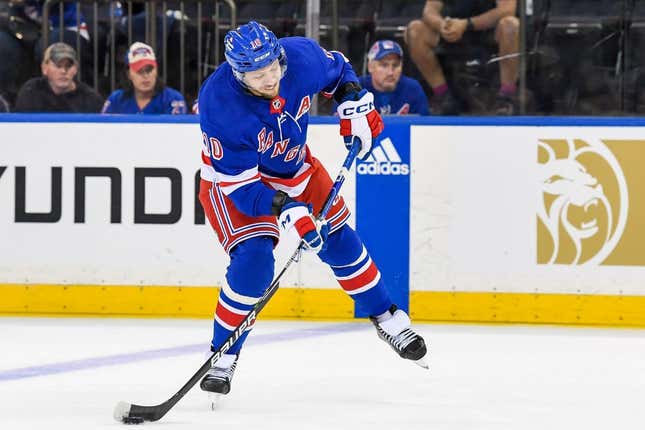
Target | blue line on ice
(155,354)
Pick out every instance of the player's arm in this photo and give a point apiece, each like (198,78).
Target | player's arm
(236,171)
(358,117)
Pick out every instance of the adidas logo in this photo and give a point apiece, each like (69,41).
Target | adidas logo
(384,160)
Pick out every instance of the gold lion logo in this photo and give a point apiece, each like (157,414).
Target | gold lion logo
(582,209)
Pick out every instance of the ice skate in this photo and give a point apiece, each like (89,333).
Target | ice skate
(217,381)
(394,328)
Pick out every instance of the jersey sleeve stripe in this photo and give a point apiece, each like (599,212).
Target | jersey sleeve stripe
(228,187)
(207,173)
(238,177)
(206,159)
(230,183)
(292,186)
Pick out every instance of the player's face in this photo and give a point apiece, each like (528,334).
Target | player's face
(144,79)
(264,82)
(386,72)
(60,75)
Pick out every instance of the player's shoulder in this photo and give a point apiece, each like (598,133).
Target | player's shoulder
(305,60)
(294,43)
(301,50)
(216,84)
(221,104)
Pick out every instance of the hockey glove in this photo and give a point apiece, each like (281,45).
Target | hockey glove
(358,118)
(297,216)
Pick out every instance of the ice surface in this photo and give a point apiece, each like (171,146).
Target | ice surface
(69,374)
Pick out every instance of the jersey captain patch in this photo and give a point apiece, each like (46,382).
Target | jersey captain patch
(305,105)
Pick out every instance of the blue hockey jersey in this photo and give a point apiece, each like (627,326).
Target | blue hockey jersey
(168,101)
(407,98)
(247,139)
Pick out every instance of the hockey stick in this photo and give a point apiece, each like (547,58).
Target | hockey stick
(135,414)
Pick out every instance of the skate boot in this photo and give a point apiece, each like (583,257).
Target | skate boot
(219,376)
(394,328)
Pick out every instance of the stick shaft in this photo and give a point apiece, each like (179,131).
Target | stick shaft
(154,413)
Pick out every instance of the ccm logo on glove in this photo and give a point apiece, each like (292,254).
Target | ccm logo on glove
(359,119)
(361,109)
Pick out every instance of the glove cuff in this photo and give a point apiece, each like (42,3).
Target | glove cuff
(280,198)
(348,91)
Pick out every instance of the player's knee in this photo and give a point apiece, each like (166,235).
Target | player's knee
(343,247)
(252,265)
(507,29)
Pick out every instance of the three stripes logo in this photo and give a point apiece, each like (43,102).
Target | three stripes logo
(384,160)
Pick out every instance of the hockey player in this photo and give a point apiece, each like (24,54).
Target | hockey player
(256,167)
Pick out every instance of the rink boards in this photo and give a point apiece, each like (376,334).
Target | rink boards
(469,219)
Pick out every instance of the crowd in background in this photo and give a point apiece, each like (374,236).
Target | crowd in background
(457,58)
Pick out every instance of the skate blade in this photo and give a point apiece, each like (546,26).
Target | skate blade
(421,362)
(214,399)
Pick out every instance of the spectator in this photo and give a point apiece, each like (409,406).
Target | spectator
(144,91)
(21,41)
(58,89)
(461,25)
(393,92)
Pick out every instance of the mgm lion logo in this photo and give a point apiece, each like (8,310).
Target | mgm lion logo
(583,202)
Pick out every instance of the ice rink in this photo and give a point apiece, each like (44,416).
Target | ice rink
(69,374)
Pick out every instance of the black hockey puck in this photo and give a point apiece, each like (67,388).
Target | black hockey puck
(132,420)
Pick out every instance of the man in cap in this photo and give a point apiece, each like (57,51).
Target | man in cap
(58,89)
(144,91)
(393,92)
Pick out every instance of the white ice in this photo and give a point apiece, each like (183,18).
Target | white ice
(322,375)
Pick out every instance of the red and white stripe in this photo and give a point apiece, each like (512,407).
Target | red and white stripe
(230,317)
(239,298)
(230,183)
(363,279)
(207,172)
(292,186)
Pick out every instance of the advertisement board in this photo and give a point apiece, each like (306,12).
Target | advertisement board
(468,219)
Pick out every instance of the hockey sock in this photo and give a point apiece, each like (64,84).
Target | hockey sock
(440,90)
(355,271)
(248,275)
(383,317)
(508,89)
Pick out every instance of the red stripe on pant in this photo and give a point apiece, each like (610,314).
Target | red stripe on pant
(231,318)
(361,280)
